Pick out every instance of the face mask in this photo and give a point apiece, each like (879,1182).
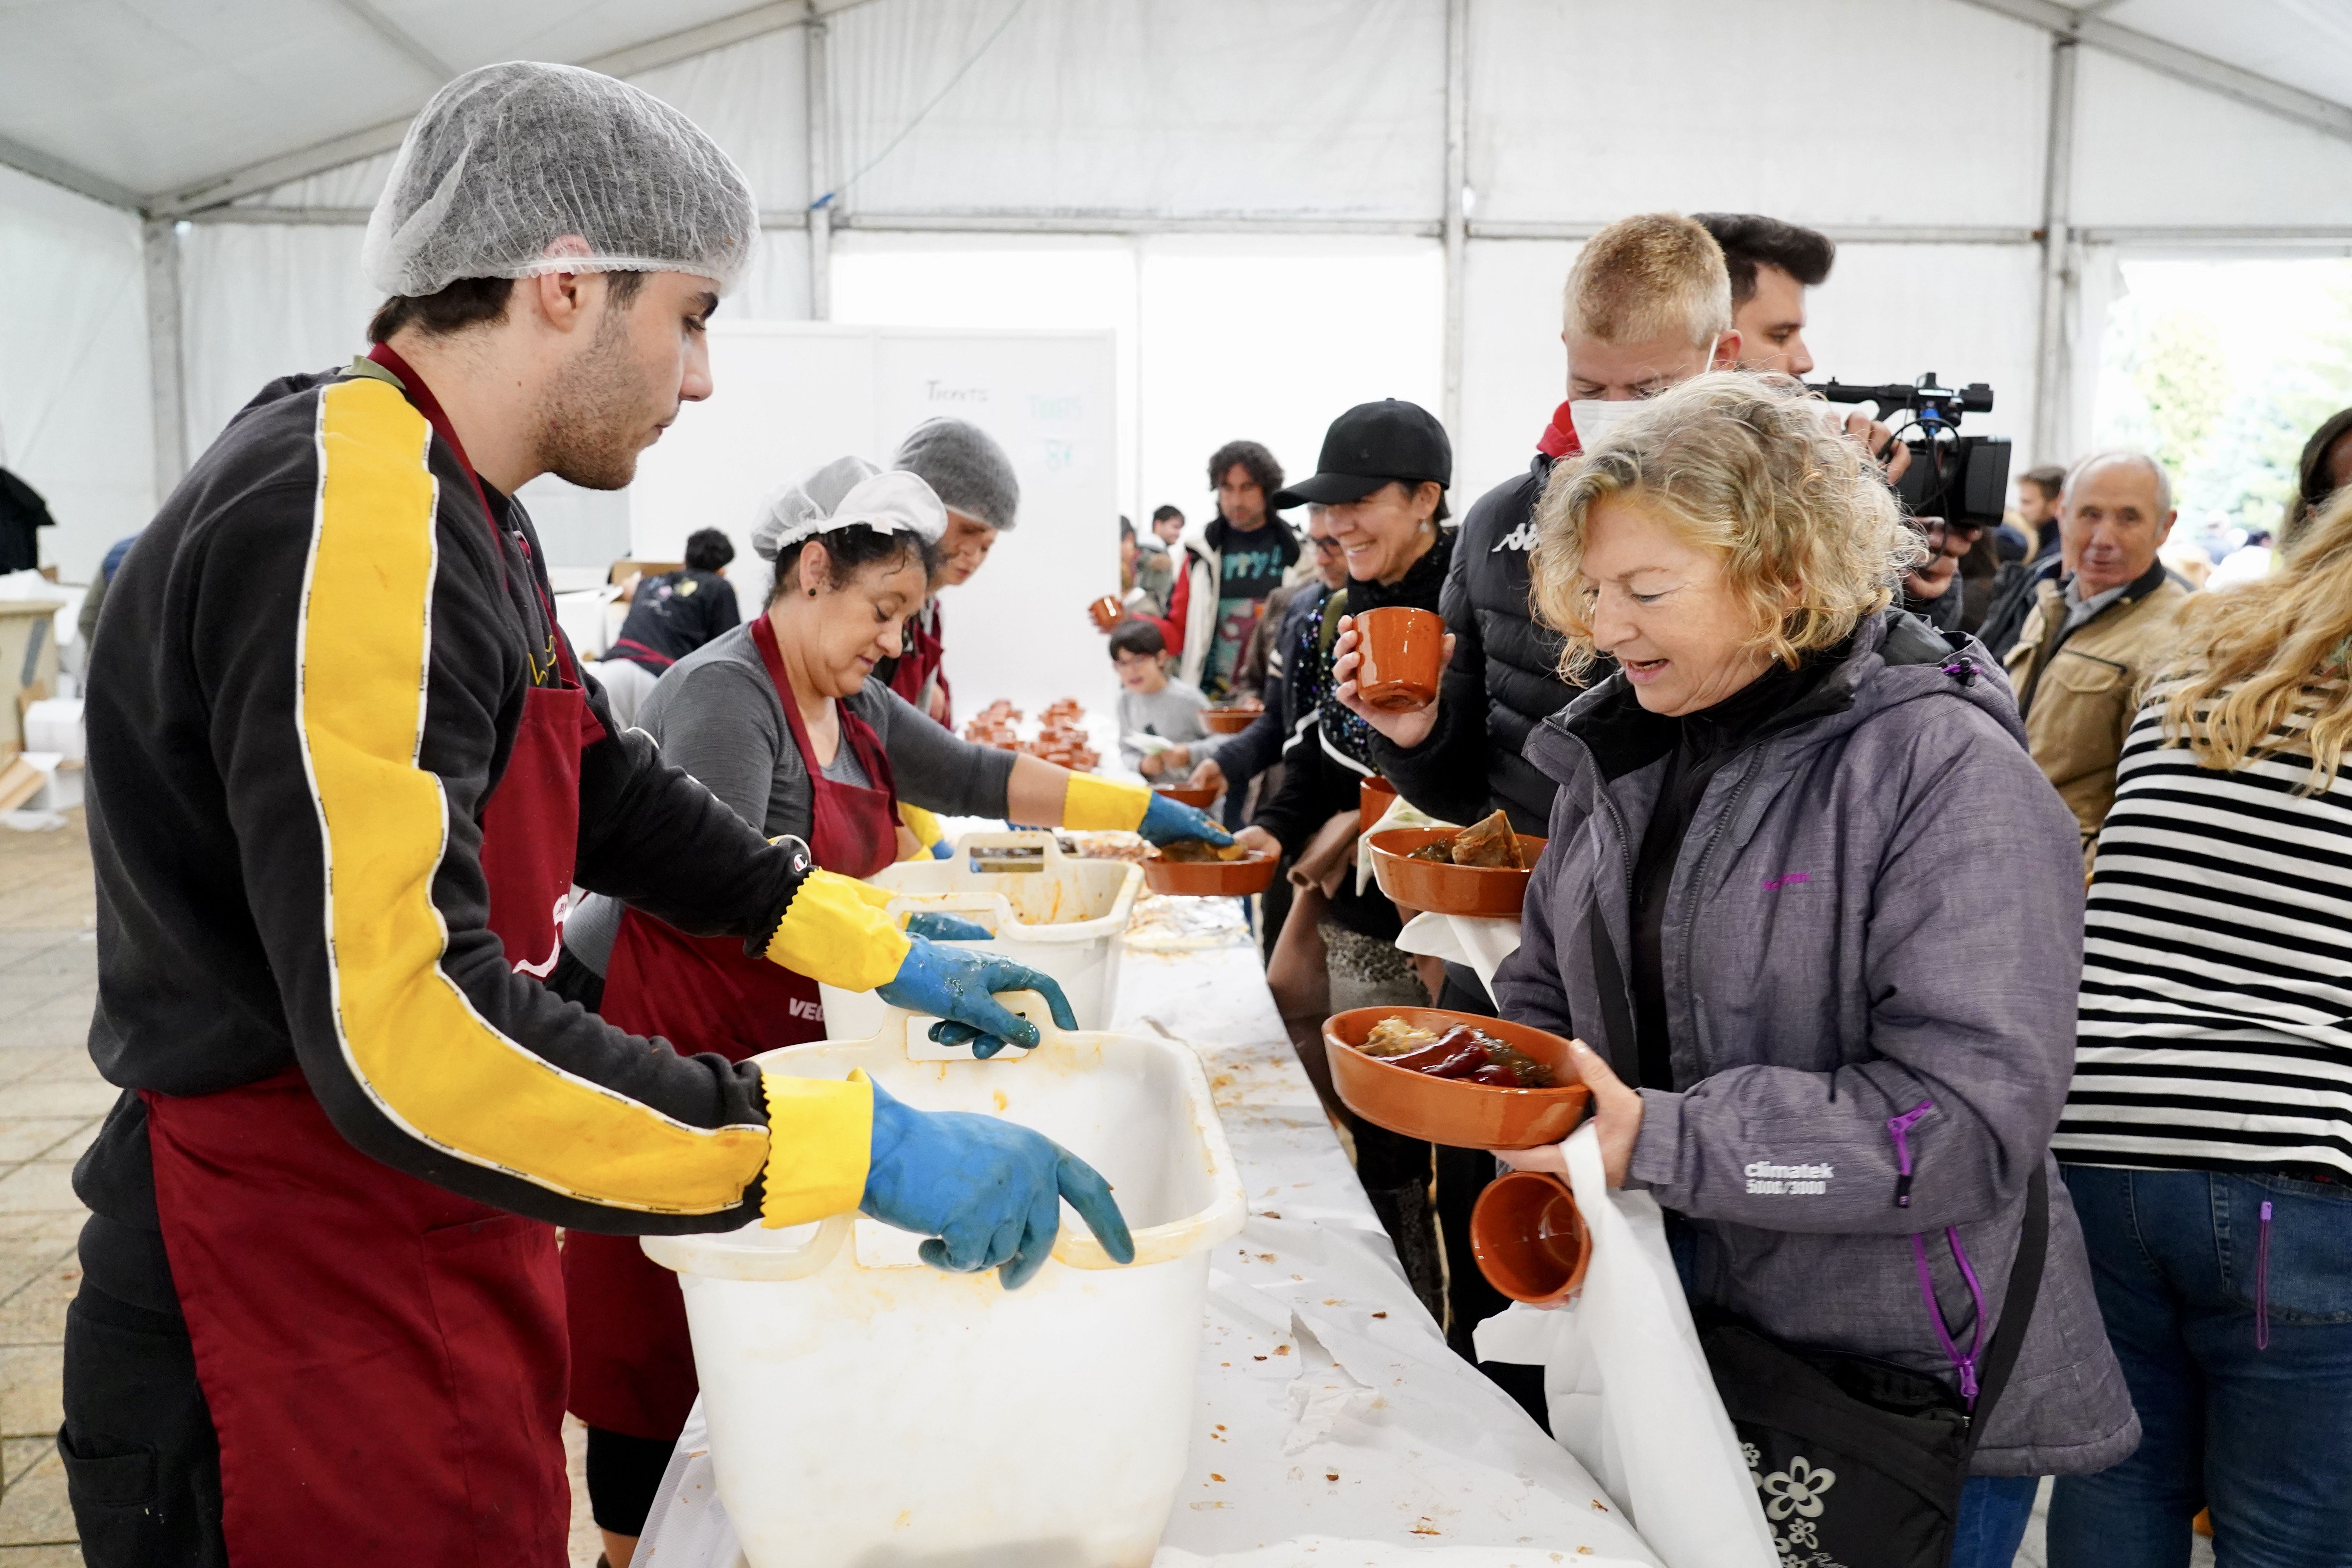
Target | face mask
(1594,418)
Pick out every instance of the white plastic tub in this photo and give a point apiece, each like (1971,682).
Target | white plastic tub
(868,1410)
(1065,919)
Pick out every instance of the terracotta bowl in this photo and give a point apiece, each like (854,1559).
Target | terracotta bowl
(1184,794)
(1529,1240)
(1105,612)
(1403,650)
(1446,1111)
(1374,795)
(1210,879)
(1448,889)
(1229,720)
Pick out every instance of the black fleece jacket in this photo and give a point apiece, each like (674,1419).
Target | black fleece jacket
(324,564)
(1325,761)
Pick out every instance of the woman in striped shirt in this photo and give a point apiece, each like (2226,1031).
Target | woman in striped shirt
(2208,1133)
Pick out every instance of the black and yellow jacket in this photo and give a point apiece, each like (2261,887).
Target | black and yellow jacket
(306,683)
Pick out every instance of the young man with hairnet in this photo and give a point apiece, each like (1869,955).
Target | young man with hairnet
(343,776)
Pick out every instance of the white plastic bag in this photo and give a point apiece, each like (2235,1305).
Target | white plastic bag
(1630,1391)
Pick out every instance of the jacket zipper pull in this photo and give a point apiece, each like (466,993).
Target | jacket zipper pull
(1898,1128)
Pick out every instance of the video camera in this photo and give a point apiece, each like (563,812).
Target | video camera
(1960,478)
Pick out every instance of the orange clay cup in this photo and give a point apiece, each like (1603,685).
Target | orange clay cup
(1105,612)
(1403,650)
(1374,795)
(1529,1240)
(1185,794)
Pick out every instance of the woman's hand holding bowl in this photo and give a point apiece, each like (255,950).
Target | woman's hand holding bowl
(1616,1111)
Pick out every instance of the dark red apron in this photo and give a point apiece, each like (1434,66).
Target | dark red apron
(923,657)
(384,1359)
(632,1364)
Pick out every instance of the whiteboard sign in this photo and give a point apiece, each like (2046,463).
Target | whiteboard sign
(791,396)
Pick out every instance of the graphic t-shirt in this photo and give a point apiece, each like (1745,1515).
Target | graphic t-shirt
(1253,565)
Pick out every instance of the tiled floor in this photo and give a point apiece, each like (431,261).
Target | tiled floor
(51,1100)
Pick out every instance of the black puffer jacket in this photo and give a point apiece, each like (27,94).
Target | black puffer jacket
(1503,682)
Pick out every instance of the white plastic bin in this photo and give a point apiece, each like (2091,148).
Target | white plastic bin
(1066,919)
(868,1410)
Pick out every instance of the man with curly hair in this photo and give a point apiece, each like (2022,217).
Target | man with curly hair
(1230,565)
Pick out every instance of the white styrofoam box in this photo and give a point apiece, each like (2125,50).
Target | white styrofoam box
(61,781)
(53,724)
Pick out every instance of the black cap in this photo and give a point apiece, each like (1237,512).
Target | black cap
(1371,444)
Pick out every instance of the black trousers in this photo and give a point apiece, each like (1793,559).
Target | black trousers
(141,1459)
(1462,1175)
(624,1477)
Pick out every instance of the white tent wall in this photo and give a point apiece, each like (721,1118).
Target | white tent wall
(1154,123)
(1826,112)
(73,367)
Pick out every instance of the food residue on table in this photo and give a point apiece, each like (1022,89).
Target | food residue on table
(1460,1052)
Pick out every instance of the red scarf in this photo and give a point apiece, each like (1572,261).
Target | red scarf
(1558,439)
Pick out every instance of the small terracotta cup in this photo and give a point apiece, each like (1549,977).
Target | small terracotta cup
(1403,650)
(1185,794)
(1529,1240)
(1374,795)
(1105,612)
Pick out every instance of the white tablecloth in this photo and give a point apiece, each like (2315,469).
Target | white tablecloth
(1334,1426)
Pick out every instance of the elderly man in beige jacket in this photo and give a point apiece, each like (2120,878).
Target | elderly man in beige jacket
(2099,630)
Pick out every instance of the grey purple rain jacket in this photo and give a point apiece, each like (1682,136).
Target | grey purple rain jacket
(1873,939)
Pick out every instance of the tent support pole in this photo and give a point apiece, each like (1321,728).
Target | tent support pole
(819,45)
(1457,175)
(161,244)
(2054,364)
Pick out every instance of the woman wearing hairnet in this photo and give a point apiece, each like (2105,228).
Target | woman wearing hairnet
(342,776)
(789,723)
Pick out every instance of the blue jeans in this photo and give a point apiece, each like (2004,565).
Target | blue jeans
(2235,1335)
(1994,1513)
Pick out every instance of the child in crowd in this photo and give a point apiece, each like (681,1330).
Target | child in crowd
(1149,703)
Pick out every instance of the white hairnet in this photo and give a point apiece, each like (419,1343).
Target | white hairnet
(508,159)
(846,492)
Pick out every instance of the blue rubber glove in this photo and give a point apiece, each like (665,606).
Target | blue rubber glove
(1169,821)
(941,926)
(944,850)
(989,1193)
(959,986)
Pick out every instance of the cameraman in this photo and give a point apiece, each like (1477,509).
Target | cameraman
(1771,265)
(1933,589)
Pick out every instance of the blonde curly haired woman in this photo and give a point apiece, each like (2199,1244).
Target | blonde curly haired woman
(1820,920)
(2208,1137)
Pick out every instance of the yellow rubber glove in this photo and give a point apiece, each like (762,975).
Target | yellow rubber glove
(926,831)
(820,1138)
(833,931)
(1092,805)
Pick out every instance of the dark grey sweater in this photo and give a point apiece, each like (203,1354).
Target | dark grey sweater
(716,714)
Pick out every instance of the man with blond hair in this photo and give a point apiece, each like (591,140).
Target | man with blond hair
(2099,628)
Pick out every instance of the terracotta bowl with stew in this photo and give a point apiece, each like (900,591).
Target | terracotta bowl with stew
(1454,1111)
(1210,879)
(1229,720)
(1442,889)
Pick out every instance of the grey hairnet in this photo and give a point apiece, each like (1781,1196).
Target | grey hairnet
(846,492)
(508,159)
(965,466)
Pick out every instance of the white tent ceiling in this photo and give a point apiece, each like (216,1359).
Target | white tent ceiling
(160,103)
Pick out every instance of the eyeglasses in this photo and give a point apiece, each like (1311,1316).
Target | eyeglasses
(1327,546)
